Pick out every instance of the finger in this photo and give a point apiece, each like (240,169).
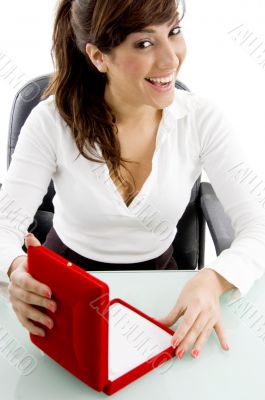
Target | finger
(31,240)
(202,338)
(25,281)
(195,331)
(29,325)
(188,320)
(172,316)
(33,299)
(32,313)
(221,335)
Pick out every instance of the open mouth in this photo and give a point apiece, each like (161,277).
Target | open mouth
(159,84)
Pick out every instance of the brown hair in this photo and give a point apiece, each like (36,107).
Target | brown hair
(77,84)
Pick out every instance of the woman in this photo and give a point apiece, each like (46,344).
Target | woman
(113,96)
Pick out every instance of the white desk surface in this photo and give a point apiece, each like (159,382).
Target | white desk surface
(234,375)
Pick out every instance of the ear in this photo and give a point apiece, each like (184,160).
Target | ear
(96,57)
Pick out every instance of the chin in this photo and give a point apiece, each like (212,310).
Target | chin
(165,103)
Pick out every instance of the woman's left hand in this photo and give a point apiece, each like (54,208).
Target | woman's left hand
(198,302)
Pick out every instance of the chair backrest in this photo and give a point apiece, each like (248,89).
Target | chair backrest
(189,240)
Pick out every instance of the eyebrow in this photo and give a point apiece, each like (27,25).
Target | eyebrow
(146,30)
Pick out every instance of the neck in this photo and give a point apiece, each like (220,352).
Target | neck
(128,115)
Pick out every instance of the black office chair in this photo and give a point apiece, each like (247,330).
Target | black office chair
(189,242)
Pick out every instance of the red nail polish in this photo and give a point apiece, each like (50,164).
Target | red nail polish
(48,324)
(195,353)
(181,354)
(46,293)
(176,343)
(52,308)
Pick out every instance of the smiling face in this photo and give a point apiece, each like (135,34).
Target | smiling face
(155,52)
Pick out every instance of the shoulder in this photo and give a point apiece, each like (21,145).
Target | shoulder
(45,116)
(44,126)
(46,110)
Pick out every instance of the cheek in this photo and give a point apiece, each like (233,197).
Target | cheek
(182,50)
(134,67)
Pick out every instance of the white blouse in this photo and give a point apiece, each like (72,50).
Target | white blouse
(92,218)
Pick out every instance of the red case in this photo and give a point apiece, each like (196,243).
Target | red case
(79,338)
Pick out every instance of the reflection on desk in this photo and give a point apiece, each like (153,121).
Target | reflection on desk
(27,373)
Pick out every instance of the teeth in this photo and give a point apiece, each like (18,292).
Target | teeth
(162,80)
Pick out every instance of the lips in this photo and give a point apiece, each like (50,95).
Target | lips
(161,84)
(161,88)
(168,77)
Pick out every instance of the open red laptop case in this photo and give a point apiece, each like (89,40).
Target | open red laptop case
(106,344)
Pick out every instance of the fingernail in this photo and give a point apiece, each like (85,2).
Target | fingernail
(176,342)
(195,353)
(52,307)
(47,293)
(181,354)
(226,347)
(29,234)
(48,324)
(42,334)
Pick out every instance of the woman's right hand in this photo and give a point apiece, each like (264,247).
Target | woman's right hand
(25,292)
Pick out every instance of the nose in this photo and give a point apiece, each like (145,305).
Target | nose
(168,57)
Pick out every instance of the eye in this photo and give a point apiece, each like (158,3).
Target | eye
(178,28)
(142,45)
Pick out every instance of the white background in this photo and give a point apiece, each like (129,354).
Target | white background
(217,65)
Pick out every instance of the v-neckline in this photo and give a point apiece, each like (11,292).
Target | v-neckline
(143,191)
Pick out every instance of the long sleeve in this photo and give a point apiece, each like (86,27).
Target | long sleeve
(25,183)
(240,190)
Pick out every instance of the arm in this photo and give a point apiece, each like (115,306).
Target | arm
(25,183)
(33,164)
(240,265)
(228,167)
